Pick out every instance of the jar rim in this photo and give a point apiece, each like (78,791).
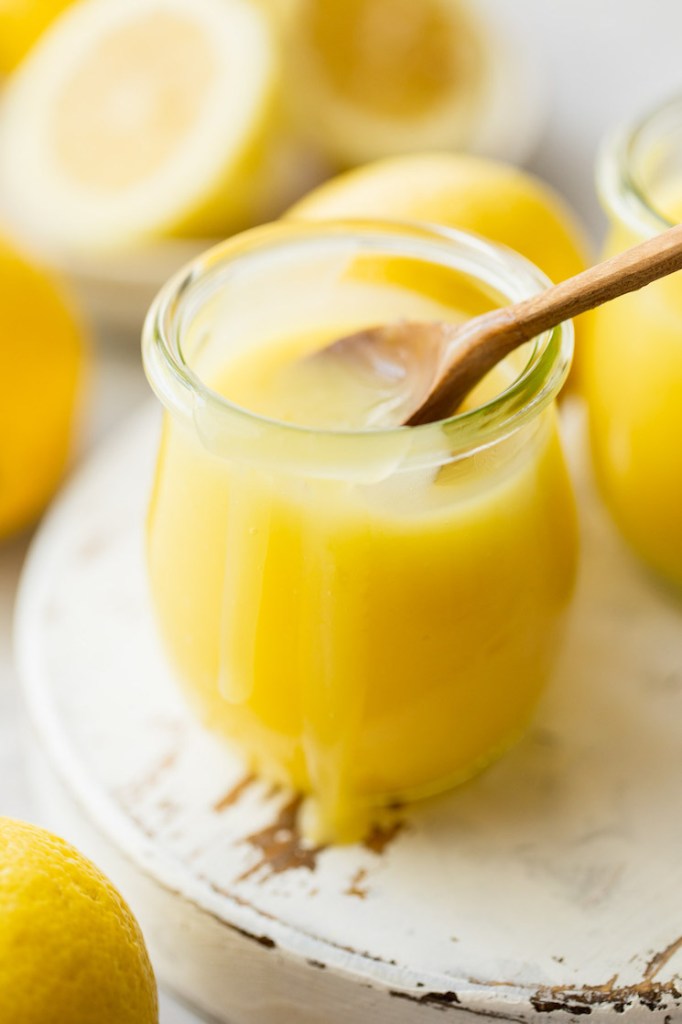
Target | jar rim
(182,391)
(619,175)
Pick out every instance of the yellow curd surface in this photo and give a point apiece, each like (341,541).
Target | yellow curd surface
(633,384)
(365,637)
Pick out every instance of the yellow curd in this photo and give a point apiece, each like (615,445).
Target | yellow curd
(633,356)
(369,614)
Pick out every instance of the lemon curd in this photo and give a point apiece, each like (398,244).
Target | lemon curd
(369,614)
(633,361)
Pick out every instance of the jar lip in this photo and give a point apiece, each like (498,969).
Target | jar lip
(619,180)
(182,391)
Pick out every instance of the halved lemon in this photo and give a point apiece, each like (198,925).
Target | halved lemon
(132,119)
(372,78)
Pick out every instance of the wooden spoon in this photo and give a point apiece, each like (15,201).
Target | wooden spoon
(433,366)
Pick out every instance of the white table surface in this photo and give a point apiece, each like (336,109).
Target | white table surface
(604,60)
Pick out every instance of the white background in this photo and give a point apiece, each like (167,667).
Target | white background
(602,61)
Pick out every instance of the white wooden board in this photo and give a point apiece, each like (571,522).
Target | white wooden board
(549,889)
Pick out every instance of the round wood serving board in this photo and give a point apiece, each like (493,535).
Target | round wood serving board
(549,889)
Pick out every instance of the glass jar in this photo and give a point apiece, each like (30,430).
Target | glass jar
(633,358)
(369,615)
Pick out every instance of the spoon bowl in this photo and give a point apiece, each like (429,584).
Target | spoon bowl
(430,367)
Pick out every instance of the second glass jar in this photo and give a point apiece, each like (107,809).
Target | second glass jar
(632,368)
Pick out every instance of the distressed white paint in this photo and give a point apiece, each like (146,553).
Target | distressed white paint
(561,866)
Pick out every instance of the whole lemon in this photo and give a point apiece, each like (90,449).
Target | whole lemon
(70,949)
(492,198)
(42,355)
(192,155)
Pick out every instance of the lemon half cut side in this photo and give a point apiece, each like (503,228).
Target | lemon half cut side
(134,119)
(374,78)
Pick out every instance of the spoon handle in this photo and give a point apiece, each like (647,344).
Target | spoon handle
(626,272)
(494,335)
